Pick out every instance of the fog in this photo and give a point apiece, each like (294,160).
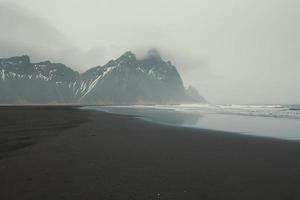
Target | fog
(233,52)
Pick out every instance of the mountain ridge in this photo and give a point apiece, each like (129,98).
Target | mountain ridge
(125,80)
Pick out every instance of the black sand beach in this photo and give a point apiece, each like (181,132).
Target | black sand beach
(61,152)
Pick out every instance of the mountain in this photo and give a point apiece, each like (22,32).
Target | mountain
(194,95)
(126,80)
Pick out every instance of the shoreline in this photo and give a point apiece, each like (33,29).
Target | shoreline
(247,125)
(83,154)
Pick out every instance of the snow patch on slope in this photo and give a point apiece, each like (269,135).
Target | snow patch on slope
(94,82)
(3,74)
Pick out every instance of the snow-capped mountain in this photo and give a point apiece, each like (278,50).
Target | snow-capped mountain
(24,82)
(125,80)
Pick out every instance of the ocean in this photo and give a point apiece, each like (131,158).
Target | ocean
(275,121)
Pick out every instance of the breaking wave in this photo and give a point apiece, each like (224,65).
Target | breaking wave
(275,111)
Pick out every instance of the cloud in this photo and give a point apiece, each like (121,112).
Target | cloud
(29,33)
(24,33)
(229,50)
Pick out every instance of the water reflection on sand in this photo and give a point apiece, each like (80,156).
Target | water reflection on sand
(275,127)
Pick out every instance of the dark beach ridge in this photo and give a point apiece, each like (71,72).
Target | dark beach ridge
(61,152)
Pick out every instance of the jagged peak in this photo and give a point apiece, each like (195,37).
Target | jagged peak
(24,58)
(47,62)
(127,55)
(51,64)
(111,62)
(193,93)
(153,54)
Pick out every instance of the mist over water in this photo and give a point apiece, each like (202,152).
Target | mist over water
(274,121)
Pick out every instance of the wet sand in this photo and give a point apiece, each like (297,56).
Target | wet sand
(61,152)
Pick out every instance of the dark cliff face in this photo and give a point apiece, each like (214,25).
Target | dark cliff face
(24,82)
(194,95)
(56,71)
(125,80)
(18,64)
(128,80)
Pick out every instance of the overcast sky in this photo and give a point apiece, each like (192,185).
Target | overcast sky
(233,52)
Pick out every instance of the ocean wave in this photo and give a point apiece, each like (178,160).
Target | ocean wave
(274,111)
(294,107)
